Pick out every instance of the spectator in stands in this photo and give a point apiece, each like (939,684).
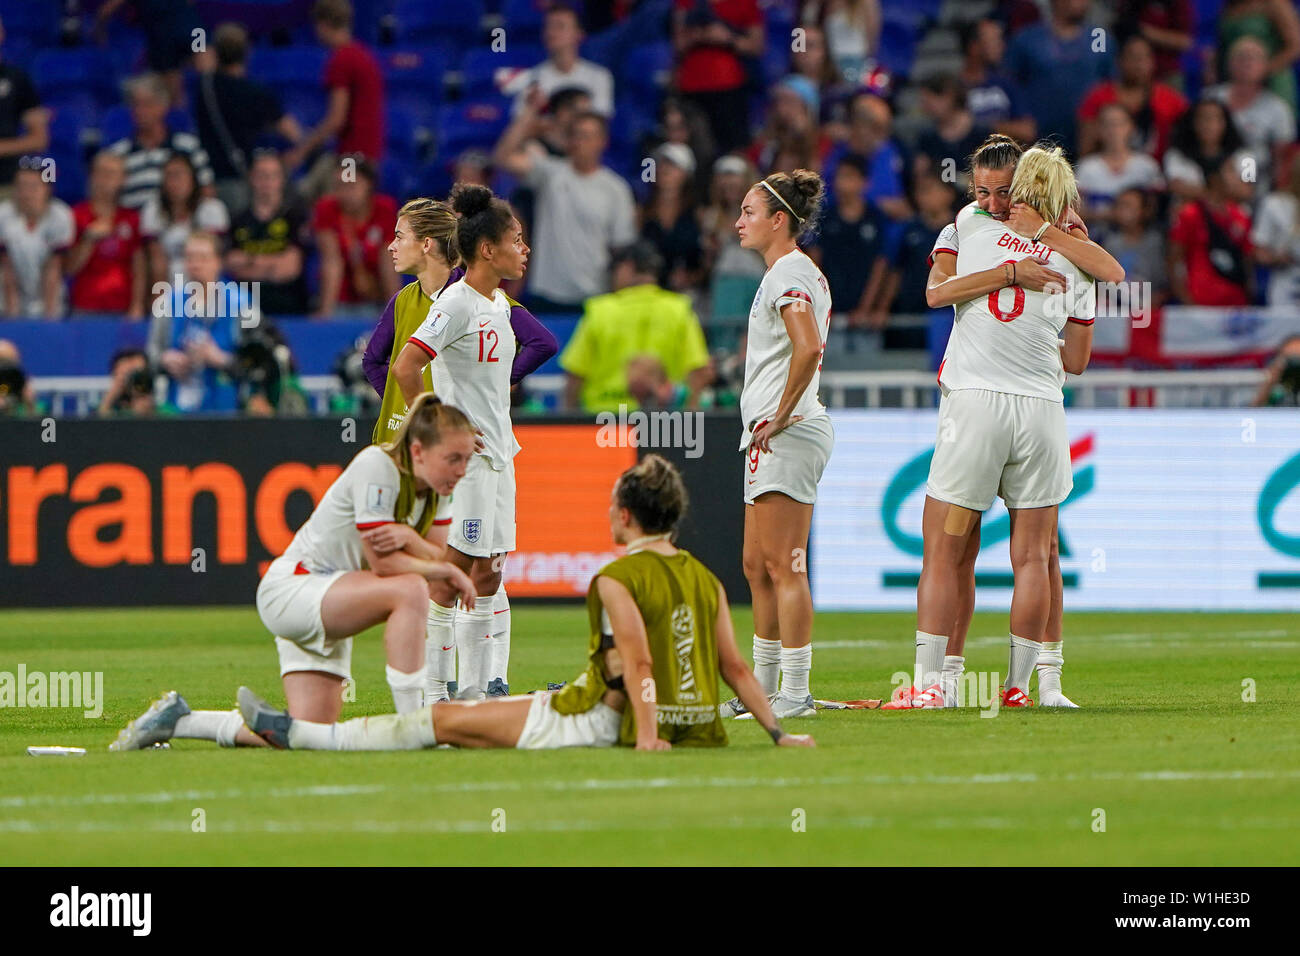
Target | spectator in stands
(682,122)
(353,226)
(107,262)
(354,114)
(152,142)
(993,100)
(35,231)
(1276,237)
(169,31)
(583,209)
(953,133)
(562,108)
(473,166)
(1266,121)
(1055,63)
(1153,106)
(194,347)
(266,240)
(870,136)
(563,68)
(792,125)
(813,60)
(668,219)
(1211,260)
(935,199)
(852,31)
(130,392)
(1137,247)
(1104,175)
(179,210)
(713,39)
(734,273)
(637,319)
(24,123)
(1168,26)
(851,246)
(231,112)
(1204,137)
(17,395)
(1276,26)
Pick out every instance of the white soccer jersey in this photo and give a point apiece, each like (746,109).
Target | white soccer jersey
(1007,341)
(363,497)
(946,241)
(471,338)
(792,278)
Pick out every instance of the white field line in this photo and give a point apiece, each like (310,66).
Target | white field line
(641,783)
(1253,639)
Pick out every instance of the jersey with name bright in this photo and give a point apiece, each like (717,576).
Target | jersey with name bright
(364,496)
(470,337)
(1007,341)
(792,278)
(410,308)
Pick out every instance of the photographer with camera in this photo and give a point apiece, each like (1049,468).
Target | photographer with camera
(16,395)
(131,391)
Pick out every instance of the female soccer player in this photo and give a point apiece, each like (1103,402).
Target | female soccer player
(424,245)
(468,331)
(366,556)
(660,637)
(1002,425)
(992,167)
(787,435)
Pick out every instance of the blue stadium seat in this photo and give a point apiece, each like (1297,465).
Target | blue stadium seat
(475,123)
(287,66)
(421,67)
(68,125)
(305,103)
(407,129)
(419,21)
(114,124)
(36,22)
(82,69)
(897,47)
(647,68)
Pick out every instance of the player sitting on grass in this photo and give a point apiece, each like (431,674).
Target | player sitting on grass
(364,557)
(660,636)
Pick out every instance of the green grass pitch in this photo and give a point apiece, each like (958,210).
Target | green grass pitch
(1184,770)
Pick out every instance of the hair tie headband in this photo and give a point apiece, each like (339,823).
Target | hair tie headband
(768,186)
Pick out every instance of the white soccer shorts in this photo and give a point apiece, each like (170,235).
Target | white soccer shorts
(547,729)
(289,601)
(483,510)
(794,465)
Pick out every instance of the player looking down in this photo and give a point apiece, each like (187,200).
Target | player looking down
(660,637)
(424,245)
(1002,423)
(992,166)
(786,433)
(468,332)
(366,556)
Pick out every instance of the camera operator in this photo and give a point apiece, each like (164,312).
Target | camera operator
(16,395)
(1282,385)
(265,374)
(131,390)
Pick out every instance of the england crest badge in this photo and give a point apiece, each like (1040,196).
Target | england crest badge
(471,528)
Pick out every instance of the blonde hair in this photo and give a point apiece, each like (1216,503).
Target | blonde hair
(1044,181)
(427,421)
(432,219)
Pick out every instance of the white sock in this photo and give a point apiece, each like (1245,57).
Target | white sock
(1024,654)
(439,651)
(218,725)
(930,649)
(499,659)
(796,662)
(954,665)
(407,688)
(410,731)
(1050,661)
(473,643)
(767,663)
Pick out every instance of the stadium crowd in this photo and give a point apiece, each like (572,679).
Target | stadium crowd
(625,134)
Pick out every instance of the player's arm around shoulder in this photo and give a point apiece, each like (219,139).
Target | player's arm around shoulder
(633,649)
(738,676)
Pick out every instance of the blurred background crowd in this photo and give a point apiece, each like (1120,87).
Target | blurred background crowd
(272,141)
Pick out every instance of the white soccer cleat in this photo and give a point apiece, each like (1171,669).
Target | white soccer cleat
(784,707)
(732,708)
(1056,700)
(155,725)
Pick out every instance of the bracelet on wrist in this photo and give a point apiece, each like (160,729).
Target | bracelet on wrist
(1042,229)
(776,733)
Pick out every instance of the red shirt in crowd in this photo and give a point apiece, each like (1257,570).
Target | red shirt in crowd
(354,68)
(104,283)
(706,69)
(1205,285)
(1166,105)
(358,241)
(1173,15)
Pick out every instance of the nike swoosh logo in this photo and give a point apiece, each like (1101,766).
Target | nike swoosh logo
(483,325)
(448,648)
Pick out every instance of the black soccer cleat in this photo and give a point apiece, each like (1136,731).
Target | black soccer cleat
(264,720)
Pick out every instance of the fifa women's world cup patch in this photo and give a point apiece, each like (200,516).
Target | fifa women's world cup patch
(380,497)
(470,528)
(437,320)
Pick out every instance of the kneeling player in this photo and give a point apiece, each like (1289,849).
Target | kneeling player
(660,636)
(364,557)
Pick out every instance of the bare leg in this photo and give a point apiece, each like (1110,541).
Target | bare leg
(763,594)
(1031,546)
(495,722)
(938,591)
(783,524)
(965,592)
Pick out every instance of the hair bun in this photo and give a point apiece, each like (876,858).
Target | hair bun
(470,199)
